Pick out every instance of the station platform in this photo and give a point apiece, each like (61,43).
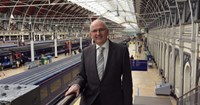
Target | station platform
(13,71)
(144,82)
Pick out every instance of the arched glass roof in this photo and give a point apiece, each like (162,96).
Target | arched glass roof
(45,15)
(119,11)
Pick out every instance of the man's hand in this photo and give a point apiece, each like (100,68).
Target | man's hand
(73,89)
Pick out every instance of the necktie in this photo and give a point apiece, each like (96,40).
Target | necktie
(100,62)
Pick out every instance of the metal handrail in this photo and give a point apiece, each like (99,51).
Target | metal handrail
(181,98)
(196,88)
(67,100)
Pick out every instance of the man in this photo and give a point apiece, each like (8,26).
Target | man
(66,48)
(114,85)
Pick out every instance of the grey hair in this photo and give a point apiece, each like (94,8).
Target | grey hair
(104,23)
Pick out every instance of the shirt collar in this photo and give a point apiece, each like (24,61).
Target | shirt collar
(105,45)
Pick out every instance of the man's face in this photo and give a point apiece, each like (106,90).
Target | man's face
(99,32)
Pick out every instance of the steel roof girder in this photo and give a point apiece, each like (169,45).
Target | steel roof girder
(37,14)
(164,10)
(187,13)
(46,15)
(68,13)
(162,22)
(182,11)
(195,8)
(52,20)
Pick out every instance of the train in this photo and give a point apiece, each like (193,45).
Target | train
(13,56)
(44,85)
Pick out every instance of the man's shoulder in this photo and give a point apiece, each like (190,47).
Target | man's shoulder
(117,45)
(88,48)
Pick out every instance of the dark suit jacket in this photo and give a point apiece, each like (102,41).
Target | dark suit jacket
(115,88)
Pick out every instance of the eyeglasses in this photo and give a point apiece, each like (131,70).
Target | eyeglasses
(98,30)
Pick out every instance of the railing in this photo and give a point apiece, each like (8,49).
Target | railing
(67,100)
(190,98)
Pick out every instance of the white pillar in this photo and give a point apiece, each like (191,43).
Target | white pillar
(70,46)
(167,64)
(34,39)
(81,44)
(10,38)
(31,36)
(32,51)
(155,45)
(163,56)
(39,37)
(32,47)
(194,48)
(55,45)
(173,62)
(22,38)
(194,54)
(4,38)
(160,55)
(52,37)
(181,62)
(43,37)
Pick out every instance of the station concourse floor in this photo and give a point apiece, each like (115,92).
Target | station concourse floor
(143,81)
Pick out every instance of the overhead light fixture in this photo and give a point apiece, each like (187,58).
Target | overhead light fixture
(12,19)
(11,16)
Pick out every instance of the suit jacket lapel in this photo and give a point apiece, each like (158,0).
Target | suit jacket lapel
(93,62)
(110,53)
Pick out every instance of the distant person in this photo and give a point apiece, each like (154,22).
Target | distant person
(139,48)
(66,48)
(132,58)
(79,50)
(105,77)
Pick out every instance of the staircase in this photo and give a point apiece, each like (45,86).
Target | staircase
(190,98)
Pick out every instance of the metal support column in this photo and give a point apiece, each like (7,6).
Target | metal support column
(55,43)
(31,34)
(181,62)
(193,48)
